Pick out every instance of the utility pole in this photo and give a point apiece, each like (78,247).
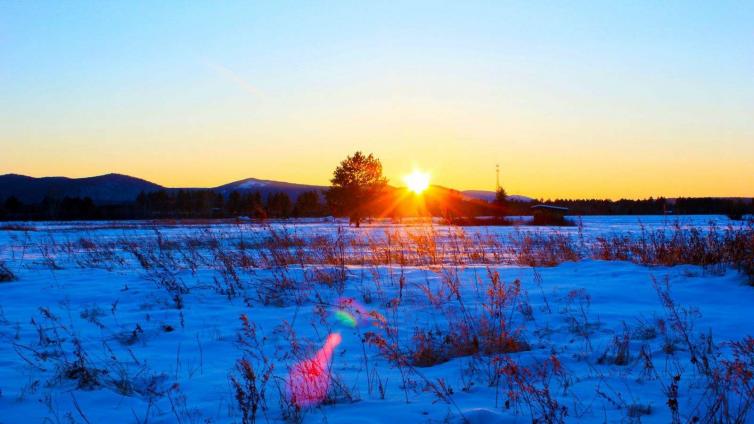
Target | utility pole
(497,177)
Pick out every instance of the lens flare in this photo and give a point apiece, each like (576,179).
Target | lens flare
(346,318)
(309,380)
(351,313)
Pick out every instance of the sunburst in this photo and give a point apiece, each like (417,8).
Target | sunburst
(417,181)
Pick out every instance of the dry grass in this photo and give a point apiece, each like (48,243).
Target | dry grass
(303,269)
(6,275)
(713,248)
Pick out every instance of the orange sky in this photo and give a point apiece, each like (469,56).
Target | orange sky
(631,100)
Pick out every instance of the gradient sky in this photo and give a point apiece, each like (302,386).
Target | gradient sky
(572,99)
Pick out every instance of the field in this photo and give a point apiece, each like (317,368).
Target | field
(616,319)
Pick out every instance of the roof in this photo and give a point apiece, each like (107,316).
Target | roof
(550,208)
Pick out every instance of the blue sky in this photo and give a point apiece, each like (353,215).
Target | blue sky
(573,99)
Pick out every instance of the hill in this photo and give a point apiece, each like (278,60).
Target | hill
(118,188)
(109,188)
(266,187)
(489,196)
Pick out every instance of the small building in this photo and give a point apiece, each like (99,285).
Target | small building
(549,215)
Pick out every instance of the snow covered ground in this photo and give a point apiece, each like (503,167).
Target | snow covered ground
(132,322)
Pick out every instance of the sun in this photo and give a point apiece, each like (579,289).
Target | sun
(417,181)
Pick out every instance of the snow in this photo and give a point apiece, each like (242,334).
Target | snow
(489,196)
(519,198)
(251,184)
(177,363)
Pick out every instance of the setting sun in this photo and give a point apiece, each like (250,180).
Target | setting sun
(417,181)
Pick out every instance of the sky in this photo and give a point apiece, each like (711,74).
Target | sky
(572,99)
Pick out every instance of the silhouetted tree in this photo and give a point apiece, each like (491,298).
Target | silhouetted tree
(251,205)
(234,205)
(76,208)
(49,207)
(501,201)
(736,210)
(278,205)
(307,204)
(13,205)
(356,182)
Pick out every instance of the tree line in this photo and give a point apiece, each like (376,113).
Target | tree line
(173,204)
(182,204)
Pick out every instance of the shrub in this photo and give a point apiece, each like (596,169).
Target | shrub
(531,386)
(249,389)
(86,376)
(249,381)
(617,352)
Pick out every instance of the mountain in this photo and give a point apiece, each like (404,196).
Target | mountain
(110,188)
(265,187)
(118,188)
(489,196)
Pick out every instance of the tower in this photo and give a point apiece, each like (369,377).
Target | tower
(497,177)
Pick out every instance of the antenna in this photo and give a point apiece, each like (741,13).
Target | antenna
(497,177)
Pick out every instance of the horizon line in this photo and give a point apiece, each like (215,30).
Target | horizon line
(540,198)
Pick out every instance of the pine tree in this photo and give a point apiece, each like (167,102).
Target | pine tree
(307,204)
(501,201)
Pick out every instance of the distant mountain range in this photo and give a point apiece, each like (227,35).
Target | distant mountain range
(118,188)
(110,188)
(490,196)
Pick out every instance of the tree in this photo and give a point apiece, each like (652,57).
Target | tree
(501,201)
(12,204)
(278,205)
(251,205)
(307,204)
(356,183)
(234,205)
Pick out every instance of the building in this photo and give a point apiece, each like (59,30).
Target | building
(549,215)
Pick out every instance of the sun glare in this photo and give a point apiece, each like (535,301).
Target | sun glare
(417,181)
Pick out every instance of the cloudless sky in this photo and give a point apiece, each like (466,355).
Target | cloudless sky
(572,99)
